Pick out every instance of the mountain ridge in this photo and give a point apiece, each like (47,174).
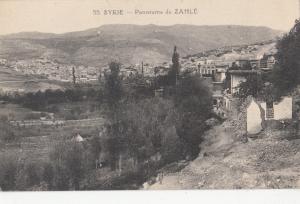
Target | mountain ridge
(129,43)
(33,33)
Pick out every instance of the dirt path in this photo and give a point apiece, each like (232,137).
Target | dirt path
(226,163)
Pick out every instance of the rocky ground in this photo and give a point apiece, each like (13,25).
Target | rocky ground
(229,160)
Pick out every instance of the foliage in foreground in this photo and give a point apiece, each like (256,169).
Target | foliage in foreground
(193,102)
(286,74)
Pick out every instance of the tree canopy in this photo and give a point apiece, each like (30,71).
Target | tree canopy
(286,74)
(251,87)
(193,102)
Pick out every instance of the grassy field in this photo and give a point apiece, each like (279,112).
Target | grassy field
(36,141)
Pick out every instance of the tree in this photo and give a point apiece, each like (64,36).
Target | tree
(48,175)
(147,129)
(114,94)
(175,69)
(286,74)
(69,165)
(147,122)
(116,144)
(193,102)
(251,87)
(113,86)
(75,163)
(138,88)
(8,172)
(95,148)
(73,75)
(32,174)
(6,134)
(57,159)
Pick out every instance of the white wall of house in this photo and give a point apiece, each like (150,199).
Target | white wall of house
(282,110)
(254,119)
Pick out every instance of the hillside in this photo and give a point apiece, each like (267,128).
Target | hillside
(226,161)
(130,44)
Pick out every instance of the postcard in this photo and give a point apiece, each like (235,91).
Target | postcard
(149,95)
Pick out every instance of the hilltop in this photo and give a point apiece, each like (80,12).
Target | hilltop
(129,44)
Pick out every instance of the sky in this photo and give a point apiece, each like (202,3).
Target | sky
(60,16)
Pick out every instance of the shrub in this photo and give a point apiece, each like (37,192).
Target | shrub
(48,175)
(32,174)
(8,172)
(6,134)
(68,160)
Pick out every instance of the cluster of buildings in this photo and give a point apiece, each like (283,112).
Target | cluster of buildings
(217,65)
(54,71)
(83,74)
(231,67)
(209,67)
(225,74)
(145,69)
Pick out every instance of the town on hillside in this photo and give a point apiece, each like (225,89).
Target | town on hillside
(78,115)
(150,107)
(217,67)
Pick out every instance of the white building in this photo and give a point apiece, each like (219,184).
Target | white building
(281,110)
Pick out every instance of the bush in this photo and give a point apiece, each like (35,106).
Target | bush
(71,116)
(7,134)
(69,162)
(32,173)
(95,148)
(48,175)
(8,172)
(253,86)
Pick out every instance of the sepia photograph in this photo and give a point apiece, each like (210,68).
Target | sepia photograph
(149,95)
